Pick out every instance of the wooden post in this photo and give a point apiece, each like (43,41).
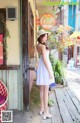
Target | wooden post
(25,41)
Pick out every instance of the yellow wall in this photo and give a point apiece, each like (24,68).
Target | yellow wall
(13,56)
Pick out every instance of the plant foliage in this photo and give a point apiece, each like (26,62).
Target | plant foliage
(6,35)
(58,68)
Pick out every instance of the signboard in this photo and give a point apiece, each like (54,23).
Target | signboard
(47,21)
(1,49)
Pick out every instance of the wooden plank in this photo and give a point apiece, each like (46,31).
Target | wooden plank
(54,110)
(74,99)
(75,88)
(20,89)
(7,84)
(13,90)
(25,53)
(10,88)
(62,107)
(13,82)
(0,75)
(4,77)
(10,67)
(71,107)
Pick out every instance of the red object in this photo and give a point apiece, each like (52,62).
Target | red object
(1,49)
(78,37)
(4,93)
(37,21)
(1,54)
(2,99)
(1,38)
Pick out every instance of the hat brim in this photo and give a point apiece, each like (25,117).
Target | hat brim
(44,33)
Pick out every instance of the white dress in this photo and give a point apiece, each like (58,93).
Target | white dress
(43,77)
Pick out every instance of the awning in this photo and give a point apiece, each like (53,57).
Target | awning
(75,35)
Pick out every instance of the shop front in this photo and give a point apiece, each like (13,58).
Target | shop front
(16,49)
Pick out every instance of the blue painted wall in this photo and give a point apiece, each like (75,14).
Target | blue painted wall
(72,15)
(72,0)
(69,1)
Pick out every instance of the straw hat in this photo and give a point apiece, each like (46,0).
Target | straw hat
(42,32)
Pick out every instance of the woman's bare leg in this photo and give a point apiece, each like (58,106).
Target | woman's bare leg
(45,95)
(32,78)
(41,97)
(46,89)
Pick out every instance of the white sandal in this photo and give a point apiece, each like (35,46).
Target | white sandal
(41,112)
(47,116)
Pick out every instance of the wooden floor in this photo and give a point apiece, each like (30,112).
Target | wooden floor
(54,110)
(66,108)
(69,106)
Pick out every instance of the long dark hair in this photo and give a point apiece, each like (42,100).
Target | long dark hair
(39,41)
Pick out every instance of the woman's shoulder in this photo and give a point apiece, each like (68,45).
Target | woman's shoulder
(41,46)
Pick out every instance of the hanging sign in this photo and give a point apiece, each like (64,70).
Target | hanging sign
(47,21)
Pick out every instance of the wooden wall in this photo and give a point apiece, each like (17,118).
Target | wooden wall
(11,78)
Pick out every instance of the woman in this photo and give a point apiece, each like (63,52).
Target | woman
(44,72)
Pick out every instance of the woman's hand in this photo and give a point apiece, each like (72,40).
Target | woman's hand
(51,76)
